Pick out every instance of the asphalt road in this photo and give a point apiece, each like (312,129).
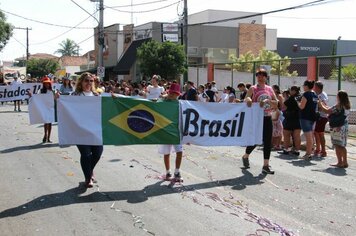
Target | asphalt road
(41,193)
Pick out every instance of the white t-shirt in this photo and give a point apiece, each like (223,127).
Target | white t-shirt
(202,97)
(324,98)
(16,82)
(154,92)
(224,98)
(88,93)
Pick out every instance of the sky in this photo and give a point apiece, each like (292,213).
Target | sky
(326,21)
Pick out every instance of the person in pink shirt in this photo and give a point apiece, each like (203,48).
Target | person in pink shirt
(265,96)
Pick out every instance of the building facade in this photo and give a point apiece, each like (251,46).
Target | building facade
(207,42)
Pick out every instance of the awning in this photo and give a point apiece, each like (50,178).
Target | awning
(93,70)
(129,57)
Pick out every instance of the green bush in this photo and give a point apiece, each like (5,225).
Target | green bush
(278,64)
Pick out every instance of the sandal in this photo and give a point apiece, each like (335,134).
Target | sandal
(307,157)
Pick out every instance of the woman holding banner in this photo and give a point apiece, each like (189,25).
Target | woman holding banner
(267,99)
(89,154)
(16,82)
(46,88)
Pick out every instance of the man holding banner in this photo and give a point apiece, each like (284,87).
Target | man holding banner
(15,83)
(265,95)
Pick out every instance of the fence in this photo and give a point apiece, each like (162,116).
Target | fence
(336,72)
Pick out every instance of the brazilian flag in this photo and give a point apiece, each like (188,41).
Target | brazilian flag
(128,121)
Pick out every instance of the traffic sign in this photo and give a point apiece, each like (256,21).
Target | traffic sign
(101,71)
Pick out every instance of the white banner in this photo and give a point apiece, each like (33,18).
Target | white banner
(41,109)
(221,124)
(19,91)
(79,120)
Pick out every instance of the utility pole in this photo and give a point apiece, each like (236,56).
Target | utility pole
(101,35)
(185,38)
(100,68)
(27,41)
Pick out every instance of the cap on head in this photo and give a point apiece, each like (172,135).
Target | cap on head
(174,88)
(45,79)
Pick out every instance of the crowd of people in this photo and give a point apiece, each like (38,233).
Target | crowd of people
(286,114)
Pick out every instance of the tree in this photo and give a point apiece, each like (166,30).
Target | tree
(5,31)
(244,62)
(42,67)
(166,59)
(278,64)
(348,73)
(68,48)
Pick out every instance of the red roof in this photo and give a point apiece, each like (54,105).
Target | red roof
(38,56)
(73,60)
(43,56)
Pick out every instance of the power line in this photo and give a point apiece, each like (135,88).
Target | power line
(140,4)
(86,39)
(314,18)
(151,10)
(84,9)
(309,4)
(18,41)
(42,22)
(63,32)
(27,40)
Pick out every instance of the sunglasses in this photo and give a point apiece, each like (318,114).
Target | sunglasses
(89,80)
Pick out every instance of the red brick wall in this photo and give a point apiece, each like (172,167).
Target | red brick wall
(252,37)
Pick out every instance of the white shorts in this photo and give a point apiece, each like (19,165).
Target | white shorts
(169,148)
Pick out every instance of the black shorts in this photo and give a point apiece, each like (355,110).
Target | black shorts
(291,124)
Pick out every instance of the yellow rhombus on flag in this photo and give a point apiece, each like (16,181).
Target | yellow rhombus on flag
(133,121)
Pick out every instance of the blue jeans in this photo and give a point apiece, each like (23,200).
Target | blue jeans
(89,157)
(307,125)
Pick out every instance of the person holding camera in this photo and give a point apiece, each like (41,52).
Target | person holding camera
(291,124)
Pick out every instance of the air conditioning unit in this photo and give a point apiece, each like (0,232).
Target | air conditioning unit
(194,51)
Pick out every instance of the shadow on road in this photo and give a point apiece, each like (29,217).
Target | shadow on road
(29,147)
(242,182)
(333,171)
(301,163)
(73,195)
(286,157)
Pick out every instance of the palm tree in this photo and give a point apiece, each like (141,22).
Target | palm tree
(68,48)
